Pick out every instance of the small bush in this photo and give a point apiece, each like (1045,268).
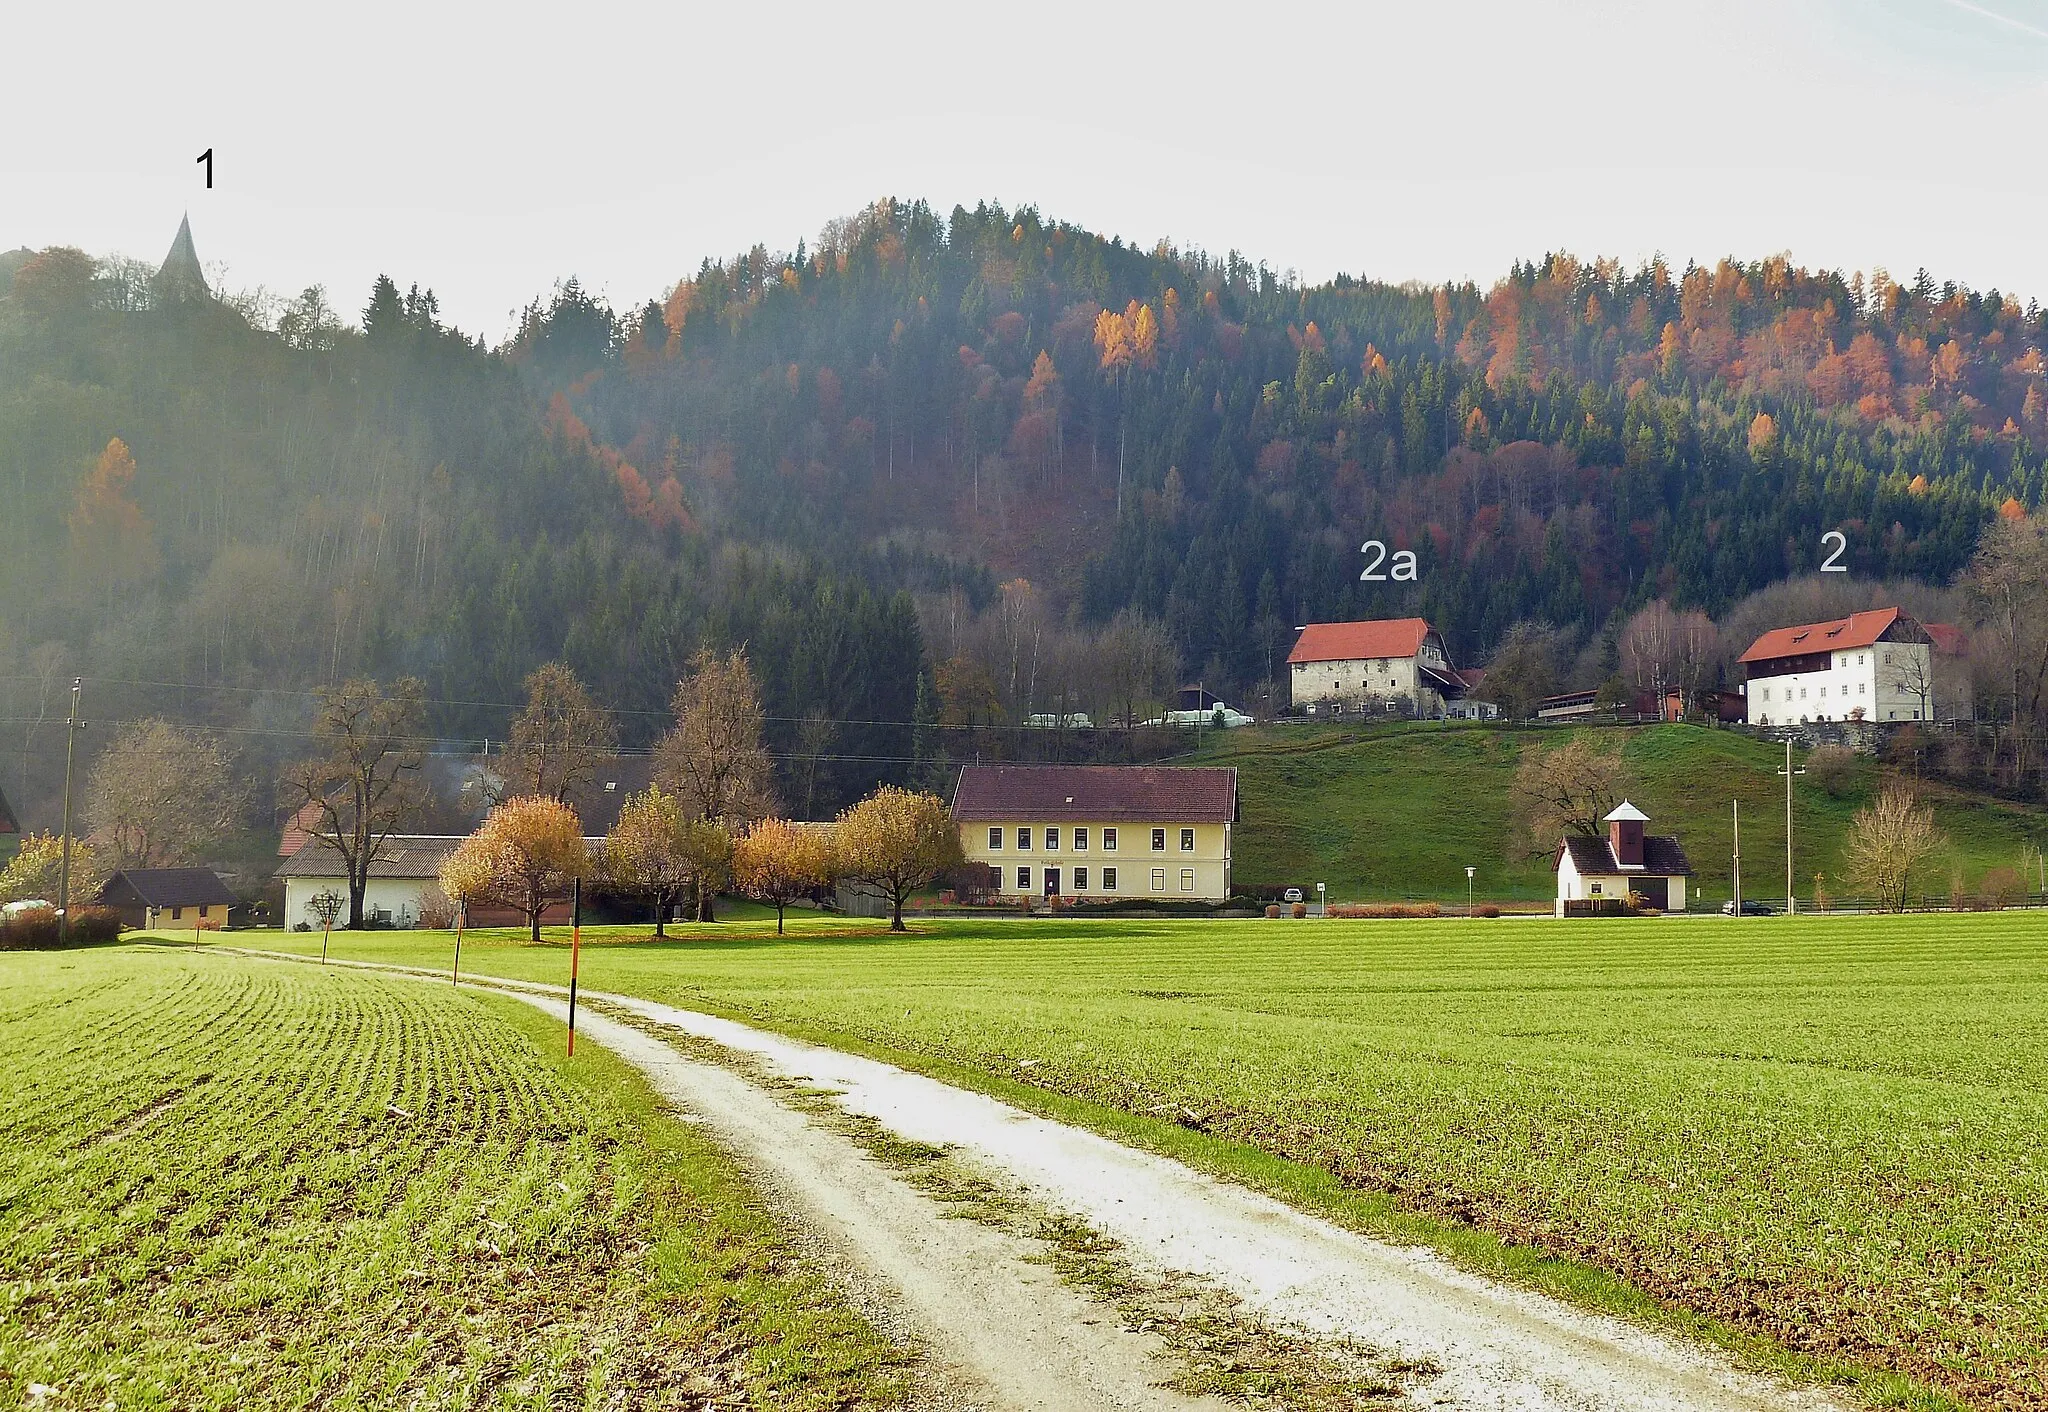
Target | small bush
(1833,768)
(1488,909)
(1298,910)
(1272,911)
(36,929)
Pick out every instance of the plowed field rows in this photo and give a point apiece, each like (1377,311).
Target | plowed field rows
(229,1183)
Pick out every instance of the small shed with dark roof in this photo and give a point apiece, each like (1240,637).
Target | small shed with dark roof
(169,897)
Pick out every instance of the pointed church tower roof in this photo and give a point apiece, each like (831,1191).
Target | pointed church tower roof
(181,278)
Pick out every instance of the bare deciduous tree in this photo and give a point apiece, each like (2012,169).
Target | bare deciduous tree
(713,757)
(2008,583)
(161,794)
(560,739)
(1886,842)
(1569,789)
(364,785)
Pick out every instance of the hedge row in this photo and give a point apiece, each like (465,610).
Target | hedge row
(36,928)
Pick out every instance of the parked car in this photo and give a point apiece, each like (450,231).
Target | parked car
(27,904)
(1293,894)
(1750,908)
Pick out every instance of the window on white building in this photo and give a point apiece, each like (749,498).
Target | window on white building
(1109,840)
(995,838)
(1187,879)
(1187,840)
(1159,879)
(1080,840)
(1159,840)
(1109,880)
(1052,840)
(1024,879)
(1080,879)
(1023,840)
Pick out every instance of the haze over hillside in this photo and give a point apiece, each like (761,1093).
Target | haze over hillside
(1072,454)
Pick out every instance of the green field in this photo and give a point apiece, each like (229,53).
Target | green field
(1399,811)
(256,1184)
(1829,1133)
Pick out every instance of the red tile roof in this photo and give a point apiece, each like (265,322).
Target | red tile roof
(1949,640)
(1348,642)
(1856,630)
(1193,794)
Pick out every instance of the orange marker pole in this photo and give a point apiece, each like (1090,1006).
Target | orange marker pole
(575,949)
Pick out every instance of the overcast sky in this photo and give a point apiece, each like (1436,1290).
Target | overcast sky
(490,153)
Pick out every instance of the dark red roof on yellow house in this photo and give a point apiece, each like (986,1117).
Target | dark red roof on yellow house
(1192,794)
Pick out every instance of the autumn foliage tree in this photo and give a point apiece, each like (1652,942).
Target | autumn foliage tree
(777,862)
(106,522)
(533,851)
(896,842)
(649,852)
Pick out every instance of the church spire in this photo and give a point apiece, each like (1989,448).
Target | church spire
(181,278)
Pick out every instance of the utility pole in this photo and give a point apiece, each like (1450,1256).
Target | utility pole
(1736,805)
(1791,890)
(72,726)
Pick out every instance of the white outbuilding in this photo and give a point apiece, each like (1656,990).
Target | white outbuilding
(1596,874)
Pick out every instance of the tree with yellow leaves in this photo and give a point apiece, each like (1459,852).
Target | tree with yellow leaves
(896,842)
(777,862)
(647,851)
(532,851)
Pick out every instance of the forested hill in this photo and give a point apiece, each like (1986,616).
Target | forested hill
(786,449)
(1575,440)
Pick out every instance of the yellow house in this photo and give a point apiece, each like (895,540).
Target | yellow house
(1100,832)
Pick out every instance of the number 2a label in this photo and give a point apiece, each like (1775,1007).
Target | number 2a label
(1375,554)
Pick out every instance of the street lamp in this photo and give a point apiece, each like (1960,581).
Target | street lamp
(1469,871)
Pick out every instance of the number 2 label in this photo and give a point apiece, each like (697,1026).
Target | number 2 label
(1829,566)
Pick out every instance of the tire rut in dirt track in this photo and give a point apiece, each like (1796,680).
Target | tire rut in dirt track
(1013,1334)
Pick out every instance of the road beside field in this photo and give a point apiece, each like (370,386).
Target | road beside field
(1493,1347)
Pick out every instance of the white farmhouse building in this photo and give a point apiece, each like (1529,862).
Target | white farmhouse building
(1347,663)
(1596,871)
(404,874)
(1871,666)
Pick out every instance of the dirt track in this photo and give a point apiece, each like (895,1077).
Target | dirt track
(1014,1336)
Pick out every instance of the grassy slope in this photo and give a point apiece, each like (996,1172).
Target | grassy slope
(211,1200)
(1399,812)
(1829,1133)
